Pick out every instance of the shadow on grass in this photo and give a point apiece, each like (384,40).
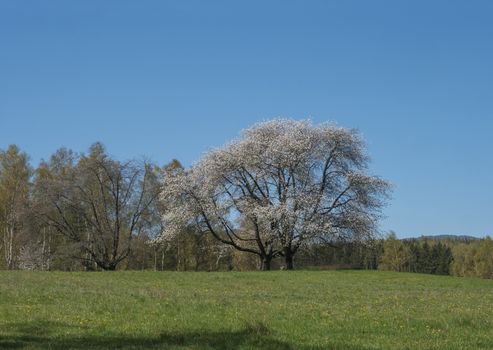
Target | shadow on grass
(50,335)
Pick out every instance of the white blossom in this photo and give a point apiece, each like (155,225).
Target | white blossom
(280,184)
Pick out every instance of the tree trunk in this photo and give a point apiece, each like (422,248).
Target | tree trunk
(265,263)
(218,260)
(288,256)
(10,253)
(43,250)
(155,259)
(288,253)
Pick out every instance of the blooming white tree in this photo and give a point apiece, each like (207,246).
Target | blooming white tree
(279,185)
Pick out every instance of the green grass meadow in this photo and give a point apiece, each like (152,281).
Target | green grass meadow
(248,310)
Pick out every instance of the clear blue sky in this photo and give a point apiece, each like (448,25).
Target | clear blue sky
(170,79)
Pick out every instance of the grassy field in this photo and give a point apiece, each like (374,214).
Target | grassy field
(273,310)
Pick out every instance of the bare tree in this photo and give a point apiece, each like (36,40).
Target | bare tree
(281,184)
(101,204)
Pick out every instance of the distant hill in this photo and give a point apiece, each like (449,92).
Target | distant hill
(444,237)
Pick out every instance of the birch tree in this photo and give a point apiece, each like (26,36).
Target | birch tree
(280,184)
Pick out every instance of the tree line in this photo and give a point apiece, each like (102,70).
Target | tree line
(456,256)
(464,257)
(91,212)
(284,192)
